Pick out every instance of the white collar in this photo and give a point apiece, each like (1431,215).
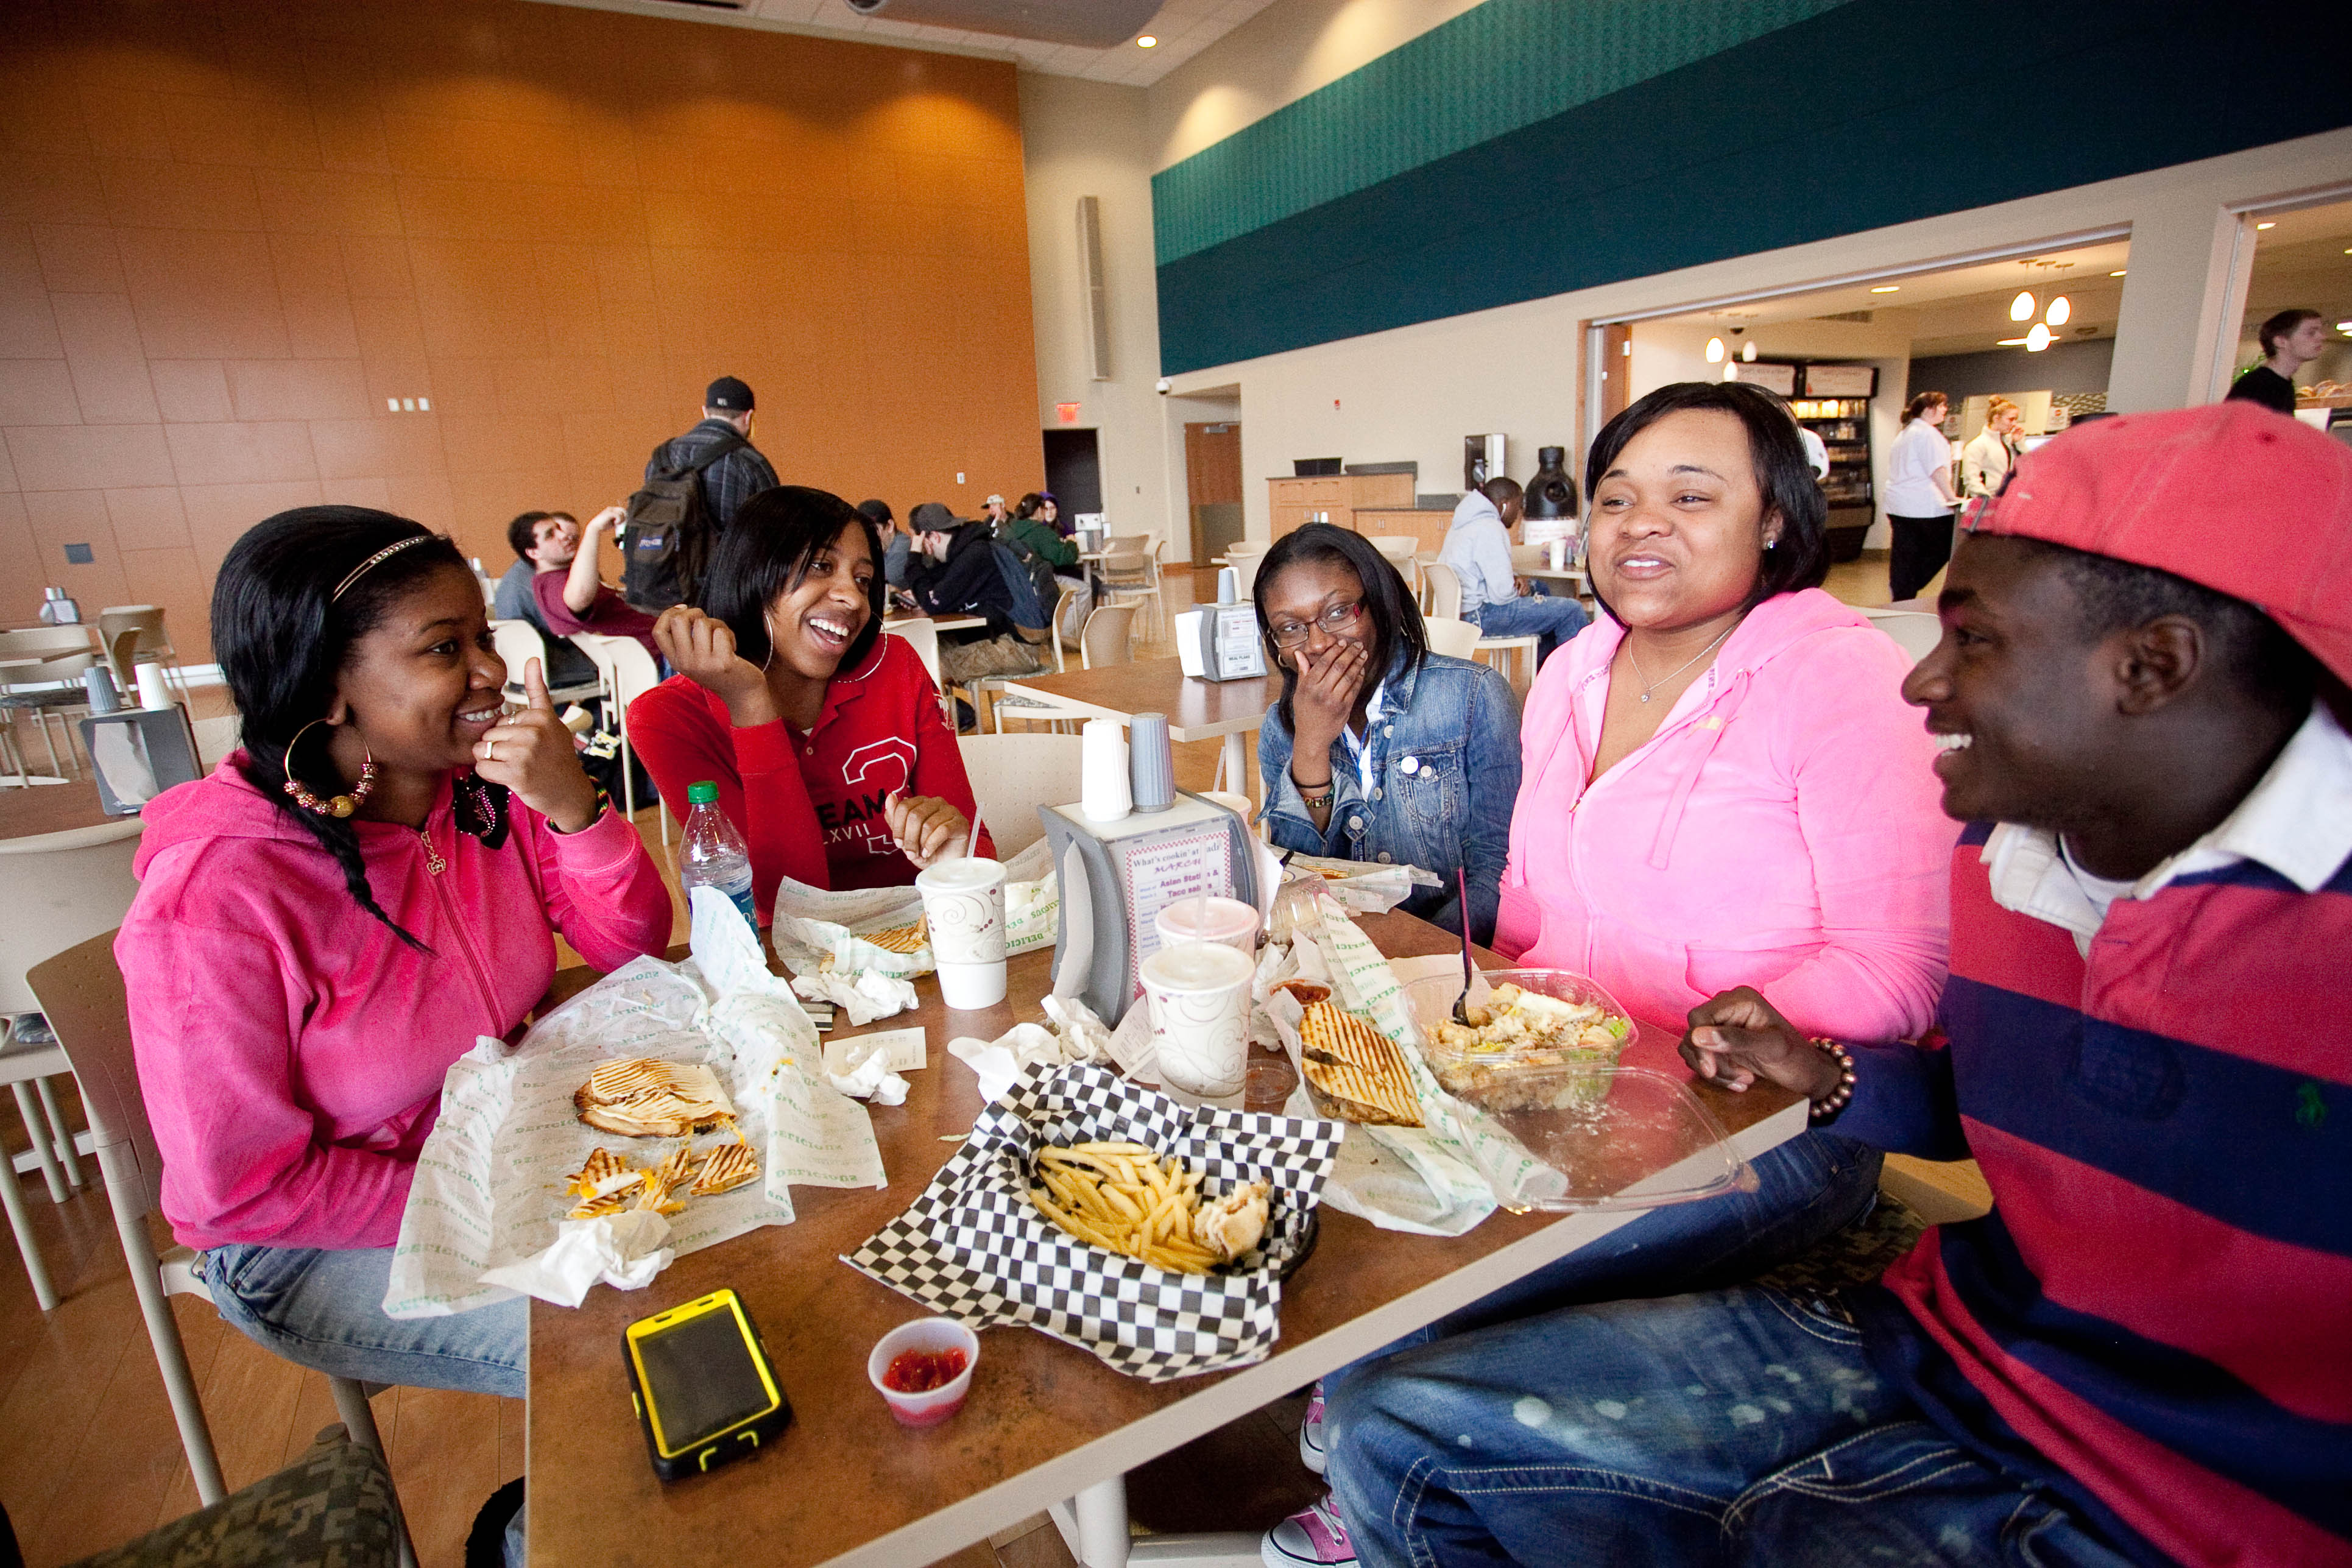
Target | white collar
(2297,820)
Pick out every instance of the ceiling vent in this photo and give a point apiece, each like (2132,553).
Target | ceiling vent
(712,5)
(1864,317)
(1087,24)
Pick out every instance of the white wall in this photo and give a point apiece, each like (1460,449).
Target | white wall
(1278,56)
(1088,139)
(1412,392)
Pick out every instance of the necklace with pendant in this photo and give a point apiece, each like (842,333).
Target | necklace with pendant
(1653,685)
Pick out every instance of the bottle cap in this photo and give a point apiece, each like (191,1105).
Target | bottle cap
(703,794)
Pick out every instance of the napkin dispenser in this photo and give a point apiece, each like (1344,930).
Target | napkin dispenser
(1116,876)
(1226,638)
(140,752)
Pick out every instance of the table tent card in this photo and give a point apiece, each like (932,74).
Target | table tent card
(484,1216)
(973,1245)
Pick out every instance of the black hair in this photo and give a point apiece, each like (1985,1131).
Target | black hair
(1388,603)
(2250,650)
(2282,325)
(765,554)
(522,534)
(1502,492)
(879,511)
(1800,558)
(282,638)
(1031,504)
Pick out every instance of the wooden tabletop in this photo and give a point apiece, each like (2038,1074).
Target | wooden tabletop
(1197,709)
(48,808)
(847,1485)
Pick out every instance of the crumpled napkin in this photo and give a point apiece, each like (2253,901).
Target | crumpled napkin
(1001,1061)
(1083,1036)
(872,1080)
(864,993)
(623,1250)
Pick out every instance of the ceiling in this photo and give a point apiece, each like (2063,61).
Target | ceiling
(1184,27)
(1963,310)
(2304,260)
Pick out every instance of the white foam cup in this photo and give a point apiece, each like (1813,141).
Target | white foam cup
(1227,921)
(963,905)
(1199,994)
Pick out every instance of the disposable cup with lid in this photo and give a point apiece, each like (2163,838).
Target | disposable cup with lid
(1199,994)
(1229,922)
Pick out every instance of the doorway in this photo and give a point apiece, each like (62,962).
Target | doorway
(1074,471)
(1213,485)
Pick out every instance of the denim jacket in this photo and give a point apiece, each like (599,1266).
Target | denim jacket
(1444,771)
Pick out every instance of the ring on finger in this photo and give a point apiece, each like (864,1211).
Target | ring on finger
(490,749)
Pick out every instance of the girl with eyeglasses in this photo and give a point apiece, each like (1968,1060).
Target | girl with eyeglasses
(1378,749)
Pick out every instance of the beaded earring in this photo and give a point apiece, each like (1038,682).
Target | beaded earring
(335,805)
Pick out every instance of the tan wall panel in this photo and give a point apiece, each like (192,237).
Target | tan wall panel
(228,234)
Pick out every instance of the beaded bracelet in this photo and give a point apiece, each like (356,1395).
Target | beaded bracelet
(1312,801)
(1830,1104)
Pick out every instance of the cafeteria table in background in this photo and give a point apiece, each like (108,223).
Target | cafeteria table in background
(1048,1426)
(1197,709)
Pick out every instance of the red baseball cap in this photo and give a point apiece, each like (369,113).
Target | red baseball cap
(2242,499)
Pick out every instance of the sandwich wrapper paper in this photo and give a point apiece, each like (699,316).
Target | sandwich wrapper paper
(484,1221)
(817,930)
(1077,1036)
(972,1247)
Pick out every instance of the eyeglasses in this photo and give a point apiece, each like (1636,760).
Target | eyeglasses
(1334,621)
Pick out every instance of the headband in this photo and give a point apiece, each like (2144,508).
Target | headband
(362,569)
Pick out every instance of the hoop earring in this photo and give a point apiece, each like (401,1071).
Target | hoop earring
(336,805)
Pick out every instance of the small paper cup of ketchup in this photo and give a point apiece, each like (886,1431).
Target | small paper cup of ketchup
(924,1369)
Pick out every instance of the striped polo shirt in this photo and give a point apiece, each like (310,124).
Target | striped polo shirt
(2156,1319)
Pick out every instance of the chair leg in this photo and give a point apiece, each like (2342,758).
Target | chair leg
(351,1405)
(55,771)
(12,1199)
(60,1136)
(28,1107)
(170,1356)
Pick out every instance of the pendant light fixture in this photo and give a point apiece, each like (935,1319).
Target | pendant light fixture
(2021,307)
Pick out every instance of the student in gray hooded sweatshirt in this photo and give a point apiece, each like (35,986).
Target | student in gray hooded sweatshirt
(1478,548)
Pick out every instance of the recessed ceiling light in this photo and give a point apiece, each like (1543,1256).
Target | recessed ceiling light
(2266,226)
(2119,271)
(1887,289)
(1147,42)
(2021,307)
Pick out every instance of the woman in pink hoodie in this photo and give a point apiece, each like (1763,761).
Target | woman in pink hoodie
(340,912)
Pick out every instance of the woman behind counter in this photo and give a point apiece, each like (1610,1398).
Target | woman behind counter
(352,899)
(1380,750)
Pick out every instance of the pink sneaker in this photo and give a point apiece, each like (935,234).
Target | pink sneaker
(1310,1431)
(1314,1539)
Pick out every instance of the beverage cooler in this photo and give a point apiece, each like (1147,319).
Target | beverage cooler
(1834,403)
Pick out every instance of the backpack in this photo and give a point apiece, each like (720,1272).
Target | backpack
(1026,611)
(668,531)
(1038,572)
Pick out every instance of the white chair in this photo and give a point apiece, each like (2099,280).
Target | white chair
(133,635)
(1446,604)
(55,888)
(1916,631)
(518,643)
(991,687)
(624,671)
(52,687)
(1444,591)
(1105,639)
(1401,550)
(80,991)
(923,637)
(1013,776)
(1245,555)
(1131,575)
(1454,639)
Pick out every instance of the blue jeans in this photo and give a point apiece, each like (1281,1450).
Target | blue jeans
(325,1311)
(1552,620)
(1739,1426)
(1811,1186)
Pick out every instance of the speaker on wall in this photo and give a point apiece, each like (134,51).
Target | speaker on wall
(1090,273)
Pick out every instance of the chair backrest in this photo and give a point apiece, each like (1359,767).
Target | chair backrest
(923,637)
(50,640)
(1454,639)
(147,620)
(1444,591)
(81,994)
(1108,638)
(1397,547)
(518,643)
(628,670)
(1013,776)
(56,889)
(1916,631)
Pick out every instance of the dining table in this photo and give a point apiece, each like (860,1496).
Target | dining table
(1047,1427)
(21,667)
(1197,709)
(35,811)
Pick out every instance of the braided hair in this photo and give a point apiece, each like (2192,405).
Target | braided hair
(282,638)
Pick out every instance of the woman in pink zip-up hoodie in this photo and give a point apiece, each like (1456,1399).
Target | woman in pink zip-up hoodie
(338,913)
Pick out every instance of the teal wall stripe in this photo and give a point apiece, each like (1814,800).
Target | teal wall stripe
(1504,65)
(1873,113)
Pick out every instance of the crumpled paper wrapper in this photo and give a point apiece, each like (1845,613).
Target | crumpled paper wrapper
(865,995)
(1076,1035)
(817,930)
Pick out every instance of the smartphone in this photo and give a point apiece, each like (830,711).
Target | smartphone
(704,1391)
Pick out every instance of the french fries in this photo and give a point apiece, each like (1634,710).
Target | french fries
(1124,1198)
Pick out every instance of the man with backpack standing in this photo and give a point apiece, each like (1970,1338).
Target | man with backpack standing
(695,484)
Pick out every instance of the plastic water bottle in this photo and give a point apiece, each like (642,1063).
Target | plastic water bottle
(712,852)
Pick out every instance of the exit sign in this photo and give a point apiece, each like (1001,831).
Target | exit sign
(1067,413)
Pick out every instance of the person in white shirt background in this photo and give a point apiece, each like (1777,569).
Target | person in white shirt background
(1985,461)
(1919,499)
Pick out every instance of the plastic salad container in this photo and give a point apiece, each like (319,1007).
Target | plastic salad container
(1526,1061)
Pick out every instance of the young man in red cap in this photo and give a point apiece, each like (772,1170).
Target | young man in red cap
(2141,1354)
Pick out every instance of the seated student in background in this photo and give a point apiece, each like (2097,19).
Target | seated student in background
(961,569)
(1721,786)
(303,967)
(1499,603)
(823,734)
(1378,749)
(529,535)
(896,542)
(1037,526)
(569,594)
(2138,1356)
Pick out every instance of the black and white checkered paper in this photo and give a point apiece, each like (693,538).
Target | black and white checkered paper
(973,1247)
